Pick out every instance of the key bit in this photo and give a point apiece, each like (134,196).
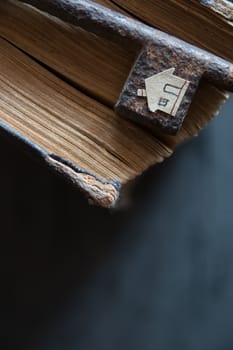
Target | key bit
(166,72)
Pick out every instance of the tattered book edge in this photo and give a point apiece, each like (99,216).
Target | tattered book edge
(221,7)
(99,191)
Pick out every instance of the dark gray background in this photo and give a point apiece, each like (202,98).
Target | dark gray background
(156,276)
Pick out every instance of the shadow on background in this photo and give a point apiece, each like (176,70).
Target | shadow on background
(156,276)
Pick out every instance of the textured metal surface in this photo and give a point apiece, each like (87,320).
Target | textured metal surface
(155,59)
(156,51)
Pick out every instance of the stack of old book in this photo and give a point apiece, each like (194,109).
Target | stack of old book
(59,83)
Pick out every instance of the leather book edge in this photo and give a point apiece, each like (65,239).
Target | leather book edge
(98,191)
(221,7)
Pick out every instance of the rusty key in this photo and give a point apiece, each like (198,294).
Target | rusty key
(166,72)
